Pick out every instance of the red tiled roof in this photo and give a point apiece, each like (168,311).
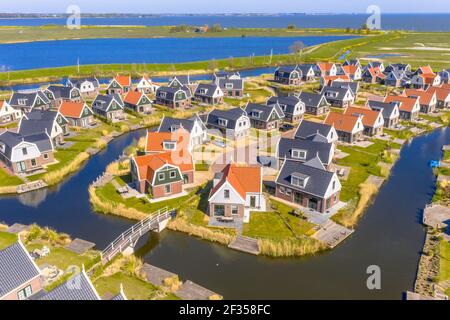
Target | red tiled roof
(326,66)
(406,103)
(369,116)
(72,109)
(329,79)
(341,122)
(133,97)
(441,93)
(425,97)
(148,164)
(2,103)
(244,179)
(376,72)
(426,70)
(350,69)
(428,78)
(155,140)
(124,81)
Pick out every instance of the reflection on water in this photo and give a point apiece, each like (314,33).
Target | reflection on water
(33,198)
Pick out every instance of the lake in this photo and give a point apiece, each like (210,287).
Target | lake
(20,56)
(389,235)
(418,22)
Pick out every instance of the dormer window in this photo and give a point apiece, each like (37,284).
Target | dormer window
(256,114)
(202,91)
(226,194)
(22,102)
(169,145)
(222,122)
(229,85)
(283,107)
(174,127)
(298,154)
(162,95)
(2,148)
(299,180)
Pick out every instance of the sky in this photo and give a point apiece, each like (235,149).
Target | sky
(227,6)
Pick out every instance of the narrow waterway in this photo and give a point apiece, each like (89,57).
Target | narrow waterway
(389,235)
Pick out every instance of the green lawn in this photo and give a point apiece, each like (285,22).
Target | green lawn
(63,258)
(202,166)
(7,239)
(276,225)
(444,269)
(7,179)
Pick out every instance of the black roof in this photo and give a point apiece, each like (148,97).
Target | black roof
(78,287)
(312,148)
(102,101)
(238,84)
(286,71)
(38,121)
(386,107)
(289,101)
(169,124)
(12,139)
(318,178)
(354,86)
(61,91)
(262,112)
(338,92)
(311,99)
(171,92)
(206,89)
(28,97)
(79,81)
(232,115)
(16,268)
(308,128)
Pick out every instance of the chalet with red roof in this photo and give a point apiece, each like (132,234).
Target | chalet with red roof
(372,120)
(119,85)
(166,167)
(236,191)
(326,69)
(373,75)
(77,113)
(328,80)
(424,78)
(409,107)
(427,99)
(349,127)
(354,72)
(138,102)
(442,96)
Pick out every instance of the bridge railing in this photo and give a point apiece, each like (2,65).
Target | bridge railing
(129,236)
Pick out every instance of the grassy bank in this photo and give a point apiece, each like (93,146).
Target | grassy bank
(14,34)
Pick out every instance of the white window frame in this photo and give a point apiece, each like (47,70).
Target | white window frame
(222,122)
(169,145)
(296,154)
(24,293)
(161,174)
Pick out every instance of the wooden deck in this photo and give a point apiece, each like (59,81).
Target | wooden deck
(192,291)
(245,244)
(155,275)
(332,233)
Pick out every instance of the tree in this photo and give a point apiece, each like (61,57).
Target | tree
(215,28)
(291,26)
(297,48)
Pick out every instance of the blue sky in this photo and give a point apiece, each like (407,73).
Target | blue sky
(227,6)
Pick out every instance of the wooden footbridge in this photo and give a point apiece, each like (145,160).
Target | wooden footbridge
(128,239)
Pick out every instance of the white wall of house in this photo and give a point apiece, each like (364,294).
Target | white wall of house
(18,155)
(87,87)
(219,196)
(332,135)
(358,126)
(7,110)
(337,186)
(242,124)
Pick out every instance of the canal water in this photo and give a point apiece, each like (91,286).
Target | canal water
(389,235)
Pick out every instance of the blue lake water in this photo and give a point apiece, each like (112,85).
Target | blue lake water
(419,22)
(44,54)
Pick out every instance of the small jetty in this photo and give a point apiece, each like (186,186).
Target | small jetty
(80,246)
(332,233)
(192,291)
(245,244)
(31,186)
(436,216)
(188,289)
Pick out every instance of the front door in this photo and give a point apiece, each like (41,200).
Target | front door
(312,203)
(252,201)
(298,199)
(219,210)
(21,166)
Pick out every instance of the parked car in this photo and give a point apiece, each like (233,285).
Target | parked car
(286,127)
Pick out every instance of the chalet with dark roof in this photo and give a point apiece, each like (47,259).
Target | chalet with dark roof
(26,102)
(59,94)
(390,112)
(339,96)
(303,150)
(110,107)
(315,103)
(234,123)
(119,85)
(174,97)
(288,75)
(49,121)
(292,107)
(308,185)
(20,277)
(194,125)
(266,117)
(308,74)
(89,87)
(310,129)
(138,102)
(208,93)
